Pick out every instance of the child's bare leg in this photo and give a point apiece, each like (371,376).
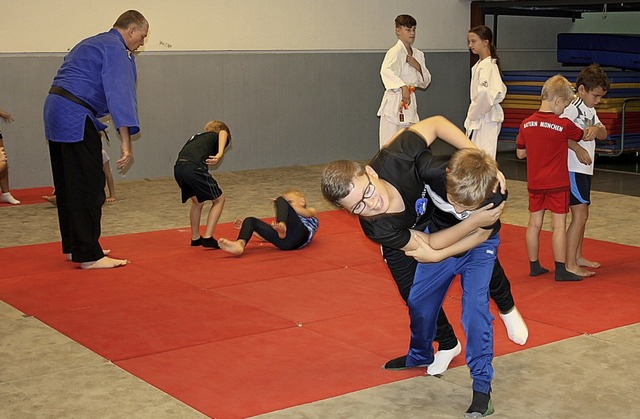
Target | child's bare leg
(4,186)
(579,215)
(559,247)
(559,237)
(235,247)
(584,262)
(194,218)
(214,216)
(532,234)
(104,263)
(281,228)
(4,181)
(532,240)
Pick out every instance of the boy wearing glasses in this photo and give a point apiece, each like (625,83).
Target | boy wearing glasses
(391,196)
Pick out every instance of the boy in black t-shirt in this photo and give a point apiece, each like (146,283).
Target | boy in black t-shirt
(389,195)
(191,171)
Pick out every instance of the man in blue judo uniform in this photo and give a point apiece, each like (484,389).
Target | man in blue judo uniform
(97,78)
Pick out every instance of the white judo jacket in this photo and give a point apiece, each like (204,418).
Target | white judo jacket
(395,73)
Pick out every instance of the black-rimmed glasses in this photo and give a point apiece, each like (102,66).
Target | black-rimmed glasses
(369,190)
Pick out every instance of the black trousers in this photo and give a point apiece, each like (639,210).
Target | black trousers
(297,232)
(79,182)
(403,269)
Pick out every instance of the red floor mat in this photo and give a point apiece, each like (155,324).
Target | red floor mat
(235,337)
(259,373)
(30,195)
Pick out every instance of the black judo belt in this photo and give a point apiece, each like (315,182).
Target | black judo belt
(57,90)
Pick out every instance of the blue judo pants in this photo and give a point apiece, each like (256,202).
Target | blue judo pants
(431,283)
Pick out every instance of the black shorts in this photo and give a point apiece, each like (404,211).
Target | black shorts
(580,188)
(195,180)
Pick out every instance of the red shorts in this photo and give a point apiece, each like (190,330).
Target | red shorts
(556,202)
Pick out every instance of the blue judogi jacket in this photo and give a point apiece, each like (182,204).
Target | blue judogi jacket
(101,71)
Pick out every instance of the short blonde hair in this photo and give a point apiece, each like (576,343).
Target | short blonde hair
(557,87)
(217,126)
(293,191)
(472,175)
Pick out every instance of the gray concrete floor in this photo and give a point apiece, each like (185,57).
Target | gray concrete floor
(43,374)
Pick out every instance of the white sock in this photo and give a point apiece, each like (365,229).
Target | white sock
(7,197)
(442,359)
(516,327)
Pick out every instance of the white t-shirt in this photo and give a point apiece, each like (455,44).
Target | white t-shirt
(583,116)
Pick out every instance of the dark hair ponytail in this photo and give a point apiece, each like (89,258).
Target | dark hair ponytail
(484,33)
(494,55)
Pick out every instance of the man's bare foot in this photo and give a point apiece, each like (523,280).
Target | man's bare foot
(280,228)
(111,199)
(581,272)
(50,199)
(104,263)
(585,263)
(234,247)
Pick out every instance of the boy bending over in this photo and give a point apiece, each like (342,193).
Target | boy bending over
(389,195)
(191,172)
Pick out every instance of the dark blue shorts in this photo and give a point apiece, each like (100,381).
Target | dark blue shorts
(580,188)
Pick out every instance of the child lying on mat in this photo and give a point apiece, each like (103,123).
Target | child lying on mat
(294,226)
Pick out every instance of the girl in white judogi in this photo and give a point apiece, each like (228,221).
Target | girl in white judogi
(403,70)
(485,115)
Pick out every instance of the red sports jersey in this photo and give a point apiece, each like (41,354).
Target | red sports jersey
(545,137)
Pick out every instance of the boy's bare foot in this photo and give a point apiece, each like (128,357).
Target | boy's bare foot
(585,263)
(280,228)
(104,263)
(234,247)
(581,272)
(50,199)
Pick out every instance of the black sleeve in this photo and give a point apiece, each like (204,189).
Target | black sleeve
(426,162)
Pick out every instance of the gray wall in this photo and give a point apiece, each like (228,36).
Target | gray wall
(283,109)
